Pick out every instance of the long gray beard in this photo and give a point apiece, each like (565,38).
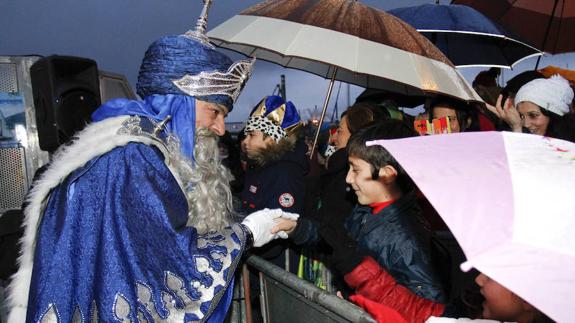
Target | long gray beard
(206,184)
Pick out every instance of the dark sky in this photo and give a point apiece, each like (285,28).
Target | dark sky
(116,33)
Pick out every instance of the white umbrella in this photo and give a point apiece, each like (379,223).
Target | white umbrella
(343,40)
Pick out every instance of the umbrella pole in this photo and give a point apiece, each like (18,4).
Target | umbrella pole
(547,33)
(325,103)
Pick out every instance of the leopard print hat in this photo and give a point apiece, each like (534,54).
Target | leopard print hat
(275,117)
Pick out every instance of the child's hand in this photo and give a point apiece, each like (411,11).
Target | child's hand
(283,227)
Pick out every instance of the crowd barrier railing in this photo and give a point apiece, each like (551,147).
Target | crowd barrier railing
(287,298)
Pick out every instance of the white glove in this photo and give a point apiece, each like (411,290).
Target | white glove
(260,223)
(281,234)
(290,216)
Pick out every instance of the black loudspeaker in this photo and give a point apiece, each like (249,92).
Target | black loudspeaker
(66,91)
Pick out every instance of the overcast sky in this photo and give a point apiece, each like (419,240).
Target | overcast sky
(116,33)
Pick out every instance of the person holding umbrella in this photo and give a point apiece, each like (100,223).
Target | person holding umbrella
(333,201)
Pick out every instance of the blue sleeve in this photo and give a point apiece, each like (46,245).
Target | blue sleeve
(306,232)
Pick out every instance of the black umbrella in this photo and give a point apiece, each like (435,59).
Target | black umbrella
(465,36)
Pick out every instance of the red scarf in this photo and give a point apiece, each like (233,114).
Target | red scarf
(378,206)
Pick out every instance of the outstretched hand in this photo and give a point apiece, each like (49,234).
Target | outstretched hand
(284,227)
(267,225)
(507,113)
(285,224)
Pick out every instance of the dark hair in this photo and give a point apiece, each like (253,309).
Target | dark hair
(463,112)
(360,114)
(277,150)
(560,127)
(377,156)
(487,78)
(516,82)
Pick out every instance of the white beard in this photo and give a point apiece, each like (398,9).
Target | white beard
(206,184)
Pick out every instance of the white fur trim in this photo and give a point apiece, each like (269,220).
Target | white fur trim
(97,139)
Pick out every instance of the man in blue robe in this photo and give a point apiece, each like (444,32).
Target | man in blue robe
(131,221)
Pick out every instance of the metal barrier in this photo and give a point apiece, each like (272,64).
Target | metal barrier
(287,298)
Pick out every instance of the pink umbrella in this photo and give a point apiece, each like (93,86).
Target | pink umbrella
(509,200)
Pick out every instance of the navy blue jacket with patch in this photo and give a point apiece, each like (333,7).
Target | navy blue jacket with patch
(279,184)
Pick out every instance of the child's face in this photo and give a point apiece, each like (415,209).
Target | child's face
(255,142)
(500,303)
(442,111)
(359,177)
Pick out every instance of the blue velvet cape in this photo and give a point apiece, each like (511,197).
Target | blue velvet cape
(113,246)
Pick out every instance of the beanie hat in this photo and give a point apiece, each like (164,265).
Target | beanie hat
(553,94)
(274,117)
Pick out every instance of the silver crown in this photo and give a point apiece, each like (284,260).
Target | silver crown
(229,83)
(200,33)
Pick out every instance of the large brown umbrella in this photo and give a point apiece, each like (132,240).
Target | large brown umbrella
(343,40)
(547,24)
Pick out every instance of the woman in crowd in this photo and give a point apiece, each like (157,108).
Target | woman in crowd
(334,201)
(542,107)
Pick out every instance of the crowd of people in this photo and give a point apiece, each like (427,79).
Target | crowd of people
(135,218)
(378,231)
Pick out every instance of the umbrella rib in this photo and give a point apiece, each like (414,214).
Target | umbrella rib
(511,5)
(289,60)
(460,32)
(559,27)
(253,52)
(547,31)
(549,24)
(447,48)
(526,57)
